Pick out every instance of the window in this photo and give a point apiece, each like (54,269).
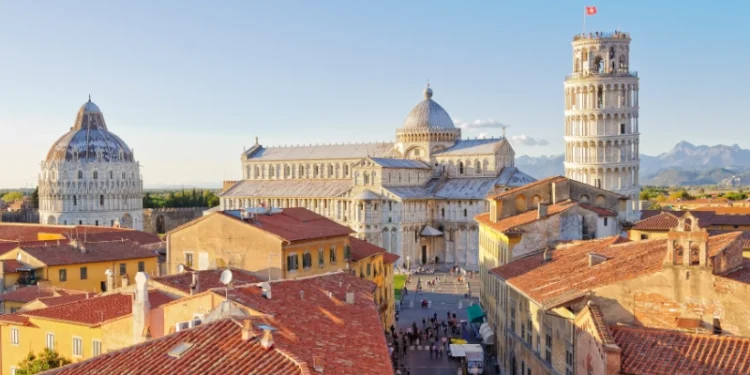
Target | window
(548,346)
(96,223)
(96,347)
(512,315)
(530,331)
(141,266)
(51,341)
(84,273)
(123,268)
(291,262)
(605,221)
(478,166)
(14,336)
(466,212)
(523,331)
(189,260)
(442,212)
(569,359)
(321,258)
(101,200)
(332,254)
(369,269)
(460,167)
(347,253)
(77,346)
(75,200)
(80,175)
(96,175)
(62,275)
(111,175)
(644,236)
(306,260)
(622,128)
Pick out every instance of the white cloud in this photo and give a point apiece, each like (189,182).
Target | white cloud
(483,135)
(525,140)
(480,124)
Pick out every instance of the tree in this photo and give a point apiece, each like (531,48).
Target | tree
(46,360)
(35,197)
(12,196)
(213,201)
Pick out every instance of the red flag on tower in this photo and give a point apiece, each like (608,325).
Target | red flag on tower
(590,11)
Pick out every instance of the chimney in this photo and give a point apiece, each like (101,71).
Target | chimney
(266,290)
(542,211)
(195,285)
(547,255)
(595,259)
(267,340)
(350,298)
(318,364)
(110,280)
(247,330)
(302,294)
(125,281)
(141,307)
(717,326)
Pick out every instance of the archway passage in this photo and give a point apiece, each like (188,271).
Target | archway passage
(161,225)
(51,220)
(127,221)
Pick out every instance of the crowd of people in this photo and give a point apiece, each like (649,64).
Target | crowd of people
(434,333)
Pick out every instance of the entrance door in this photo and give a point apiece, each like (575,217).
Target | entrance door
(424,254)
(103,285)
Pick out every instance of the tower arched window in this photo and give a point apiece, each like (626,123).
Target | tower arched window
(600,97)
(460,167)
(80,175)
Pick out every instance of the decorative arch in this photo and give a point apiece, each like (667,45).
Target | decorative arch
(521,203)
(600,200)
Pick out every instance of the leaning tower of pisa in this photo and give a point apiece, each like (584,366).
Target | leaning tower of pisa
(601,114)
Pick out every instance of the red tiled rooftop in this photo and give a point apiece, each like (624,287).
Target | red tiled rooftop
(94,311)
(95,252)
(30,232)
(661,352)
(12,265)
(218,349)
(513,222)
(141,238)
(362,249)
(6,246)
(568,276)
(30,293)
(16,318)
(207,279)
(601,211)
(349,337)
(706,219)
(390,258)
(543,181)
(299,224)
(61,300)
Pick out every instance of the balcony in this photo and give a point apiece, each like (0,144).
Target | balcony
(601,35)
(583,75)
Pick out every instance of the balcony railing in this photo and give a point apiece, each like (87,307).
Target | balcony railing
(601,34)
(629,73)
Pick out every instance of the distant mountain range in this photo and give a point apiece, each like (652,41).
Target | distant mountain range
(685,164)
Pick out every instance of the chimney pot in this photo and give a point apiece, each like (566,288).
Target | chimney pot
(267,340)
(247,331)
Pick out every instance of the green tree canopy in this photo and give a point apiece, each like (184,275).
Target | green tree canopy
(12,196)
(46,360)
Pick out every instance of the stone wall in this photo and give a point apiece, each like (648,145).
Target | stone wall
(162,220)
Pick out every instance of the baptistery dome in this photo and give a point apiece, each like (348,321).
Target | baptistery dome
(89,140)
(90,177)
(428,115)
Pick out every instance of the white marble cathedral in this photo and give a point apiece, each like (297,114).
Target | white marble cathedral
(601,115)
(91,177)
(416,197)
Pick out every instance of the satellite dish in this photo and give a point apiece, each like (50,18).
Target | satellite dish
(226,277)
(180,268)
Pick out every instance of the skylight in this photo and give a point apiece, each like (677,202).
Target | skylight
(180,349)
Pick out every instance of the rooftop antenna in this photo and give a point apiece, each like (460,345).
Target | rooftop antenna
(226,278)
(503,126)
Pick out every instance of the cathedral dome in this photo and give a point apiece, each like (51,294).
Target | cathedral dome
(89,140)
(428,115)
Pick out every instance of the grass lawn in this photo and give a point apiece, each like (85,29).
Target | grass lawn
(398,285)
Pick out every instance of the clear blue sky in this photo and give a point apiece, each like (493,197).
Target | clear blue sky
(187,84)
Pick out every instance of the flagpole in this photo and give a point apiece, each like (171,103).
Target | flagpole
(584,19)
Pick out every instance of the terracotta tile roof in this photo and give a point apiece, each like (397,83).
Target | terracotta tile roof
(668,220)
(601,211)
(134,236)
(207,279)
(390,258)
(568,276)
(217,349)
(10,245)
(61,300)
(661,352)
(12,265)
(543,181)
(645,214)
(30,293)
(95,252)
(597,316)
(349,337)
(16,318)
(513,222)
(725,210)
(296,224)
(362,249)
(30,232)
(741,275)
(96,310)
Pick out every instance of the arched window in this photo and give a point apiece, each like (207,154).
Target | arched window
(366,178)
(111,175)
(442,212)
(96,175)
(478,166)
(460,167)
(600,97)
(271,170)
(521,203)
(80,175)
(123,175)
(301,171)
(346,169)
(330,170)
(315,171)
(75,200)
(599,65)
(466,212)
(101,200)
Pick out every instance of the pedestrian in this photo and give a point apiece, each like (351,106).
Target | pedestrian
(434,348)
(406,291)
(396,317)
(424,323)
(434,316)
(430,351)
(393,330)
